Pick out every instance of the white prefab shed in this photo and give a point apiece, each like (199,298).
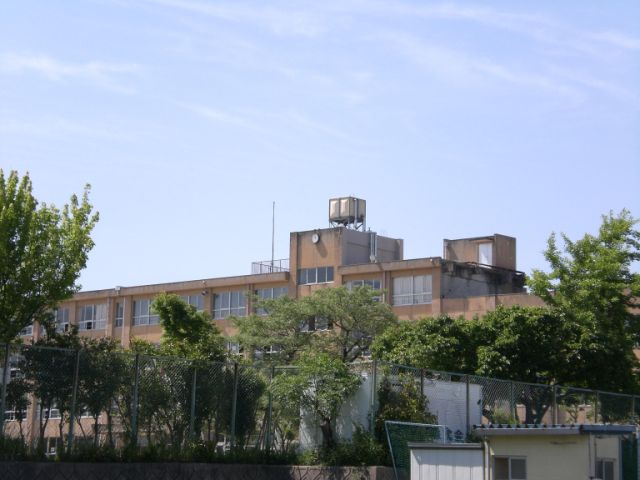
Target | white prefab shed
(453,461)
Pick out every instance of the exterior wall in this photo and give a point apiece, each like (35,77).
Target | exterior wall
(549,457)
(127,295)
(558,457)
(463,280)
(466,250)
(504,252)
(193,471)
(457,288)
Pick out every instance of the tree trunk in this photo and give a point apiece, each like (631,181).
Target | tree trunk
(328,441)
(95,430)
(110,429)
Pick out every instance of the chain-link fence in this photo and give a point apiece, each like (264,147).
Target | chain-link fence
(56,400)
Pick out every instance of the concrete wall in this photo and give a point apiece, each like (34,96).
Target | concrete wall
(461,280)
(549,457)
(466,250)
(558,457)
(192,471)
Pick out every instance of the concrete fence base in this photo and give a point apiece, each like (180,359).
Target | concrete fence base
(184,471)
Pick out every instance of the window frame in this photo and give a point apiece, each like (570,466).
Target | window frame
(415,298)
(94,322)
(144,317)
(119,315)
(259,294)
(227,308)
(509,459)
(315,275)
(62,326)
(198,303)
(602,461)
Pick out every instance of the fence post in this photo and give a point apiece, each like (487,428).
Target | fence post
(468,404)
(74,398)
(422,384)
(633,409)
(372,401)
(192,422)
(512,402)
(134,406)
(234,405)
(267,441)
(554,406)
(5,379)
(595,417)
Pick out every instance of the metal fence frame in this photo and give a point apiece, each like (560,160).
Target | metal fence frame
(246,420)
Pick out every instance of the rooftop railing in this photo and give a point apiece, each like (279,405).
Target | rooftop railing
(270,266)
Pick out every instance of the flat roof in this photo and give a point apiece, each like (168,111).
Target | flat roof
(444,446)
(543,429)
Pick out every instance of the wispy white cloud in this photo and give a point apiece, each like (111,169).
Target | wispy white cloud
(541,28)
(272,123)
(281,21)
(598,84)
(466,69)
(102,74)
(617,39)
(218,115)
(58,127)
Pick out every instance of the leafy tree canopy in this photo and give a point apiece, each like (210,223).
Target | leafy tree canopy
(186,332)
(319,385)
(42,251)
(354,317)
(592,283)
(531,344)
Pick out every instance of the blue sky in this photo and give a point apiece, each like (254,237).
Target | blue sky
(189,117)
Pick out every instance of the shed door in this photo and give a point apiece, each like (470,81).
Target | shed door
(442,464)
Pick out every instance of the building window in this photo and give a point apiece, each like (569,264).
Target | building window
(371,283)
(142,313)
(119,314)
(316,324)
(412,290)
(62,320)
(604,469)
(307,276)
(269,294)
(194,300)
(485,253)
(92,317)
(234,348)
(267,351)
(26,331)
(226,304)
(509,468)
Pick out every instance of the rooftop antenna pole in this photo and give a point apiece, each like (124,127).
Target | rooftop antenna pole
(273,232)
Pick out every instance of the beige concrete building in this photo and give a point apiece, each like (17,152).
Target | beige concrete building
(558,452)
(472,276)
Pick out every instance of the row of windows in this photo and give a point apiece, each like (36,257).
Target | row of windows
(308,276)
(409,290)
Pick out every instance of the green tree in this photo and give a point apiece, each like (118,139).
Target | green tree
(357,317)
(103,371)
(48,367)
(353,317)
(279,327)
(42,251)
(187,332)
(401,402)
(319,385)
(523,344)
(440,343)
(592,283)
